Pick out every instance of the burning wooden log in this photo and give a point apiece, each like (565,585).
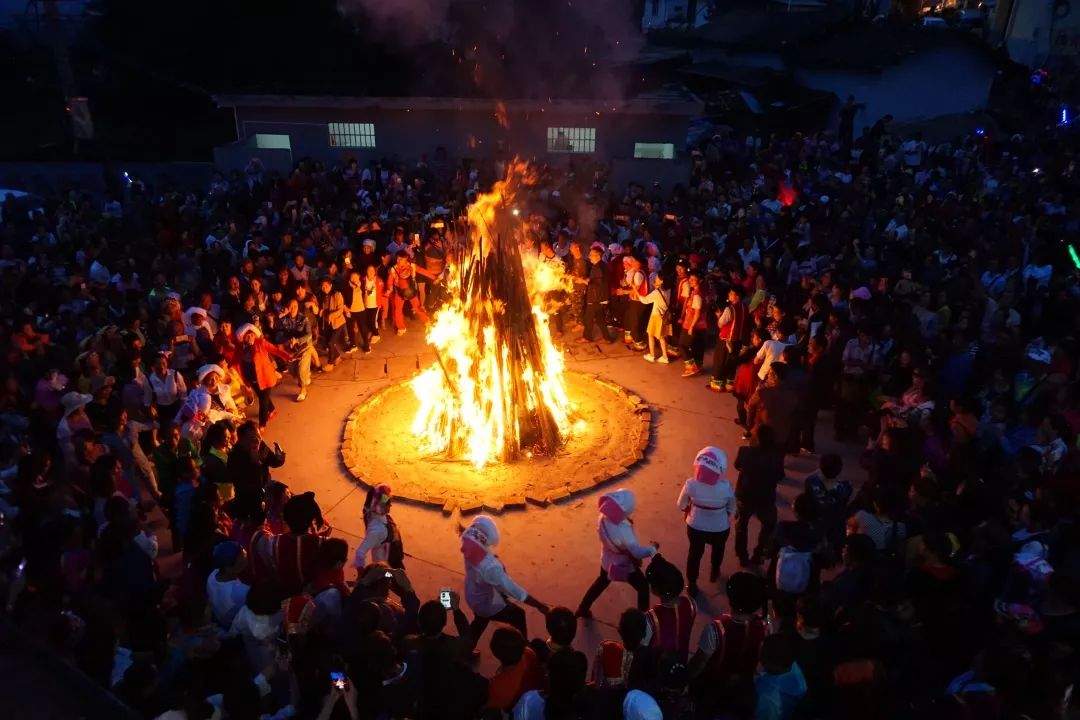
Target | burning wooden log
(497,390)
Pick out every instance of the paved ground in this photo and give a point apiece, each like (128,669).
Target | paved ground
(552,551)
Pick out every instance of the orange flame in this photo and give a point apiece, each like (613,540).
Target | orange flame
(485,399)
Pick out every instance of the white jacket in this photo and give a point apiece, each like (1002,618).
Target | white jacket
(618,540)
(711,506)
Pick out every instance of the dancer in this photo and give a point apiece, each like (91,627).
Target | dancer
(381,536)
(620,552)
(489,590)
(709,502)
(258,369)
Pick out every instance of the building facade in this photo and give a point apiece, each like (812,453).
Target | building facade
(644,133)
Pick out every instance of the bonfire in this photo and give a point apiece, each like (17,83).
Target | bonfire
(496,391)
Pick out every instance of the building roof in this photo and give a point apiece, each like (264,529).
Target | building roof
(664,101)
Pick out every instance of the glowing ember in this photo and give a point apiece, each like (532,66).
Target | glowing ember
(496,391)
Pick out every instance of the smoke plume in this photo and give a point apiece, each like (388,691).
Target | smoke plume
(509,48)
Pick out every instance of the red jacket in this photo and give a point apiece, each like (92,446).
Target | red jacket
(266,374)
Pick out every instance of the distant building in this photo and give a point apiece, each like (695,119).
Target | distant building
(660,14)
(1036,32)
(643,137)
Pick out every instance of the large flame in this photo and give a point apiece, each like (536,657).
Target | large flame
(496,390)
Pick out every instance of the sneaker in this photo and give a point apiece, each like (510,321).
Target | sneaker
(401,332)
(663,360)
(715,385)
(367,351)
(327,367)
(302,396)
(374,339)
(648,358)
(351,350)
(639,346)
(691,370)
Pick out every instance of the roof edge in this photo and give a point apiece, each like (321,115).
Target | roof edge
(690,105)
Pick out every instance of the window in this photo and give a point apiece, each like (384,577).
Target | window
(352,135)
(266,141)
(571,140)
(654,151)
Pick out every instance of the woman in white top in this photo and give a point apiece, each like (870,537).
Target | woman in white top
(771,351)
(168,388)
(659,326)
(709,502)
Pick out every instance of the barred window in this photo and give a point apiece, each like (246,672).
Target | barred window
(654,151)
(571,140)
(352,135)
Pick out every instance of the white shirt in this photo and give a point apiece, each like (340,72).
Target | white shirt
(770,351)
(169,389)
(659,300)
(99,273)
(711,506)
(485,585)
(530,706)
(749,256)
(375,534)
(617,541)
(226,597)
(1041,274)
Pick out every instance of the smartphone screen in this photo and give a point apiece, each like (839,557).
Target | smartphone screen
(444,598)
(338,680)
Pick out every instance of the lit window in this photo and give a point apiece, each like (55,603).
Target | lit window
(654,151)
(352,135)
(265,141)
(571,140)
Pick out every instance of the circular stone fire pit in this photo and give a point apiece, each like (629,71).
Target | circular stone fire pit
(379,447)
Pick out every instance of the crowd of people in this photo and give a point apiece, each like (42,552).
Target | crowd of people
(922,293)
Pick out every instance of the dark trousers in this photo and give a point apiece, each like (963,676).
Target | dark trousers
(512,615)
(807,422)
(335,343)
(636,580)
(362,327)
(698,540)
(765,512)
(266,404)
(693,344)
(594,317)
(723,369)
(632,320)
(850,407)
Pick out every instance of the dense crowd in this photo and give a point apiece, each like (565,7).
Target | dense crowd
(921,292)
